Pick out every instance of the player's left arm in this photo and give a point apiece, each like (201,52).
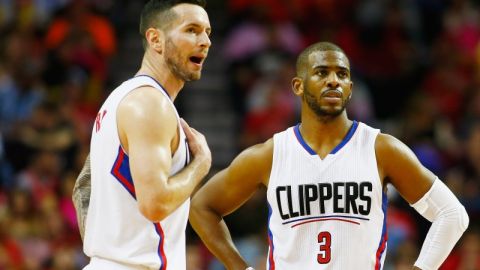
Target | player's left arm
(423,190)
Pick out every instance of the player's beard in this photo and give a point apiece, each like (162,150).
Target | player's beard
(176,65)
(323,113)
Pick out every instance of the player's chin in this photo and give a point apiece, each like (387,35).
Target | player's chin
(195,76)
(332,111)
(192,76)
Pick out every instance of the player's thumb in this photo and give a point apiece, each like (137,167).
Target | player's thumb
(186,128)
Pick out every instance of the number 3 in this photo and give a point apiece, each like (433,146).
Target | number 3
(325,240)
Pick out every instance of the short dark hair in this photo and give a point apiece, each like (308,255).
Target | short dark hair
(158,13)
(317,47)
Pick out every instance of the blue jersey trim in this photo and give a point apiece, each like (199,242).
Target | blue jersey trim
(382,245)
(270,259)
(121,171)
(159,84)
(302,141)
(345,140)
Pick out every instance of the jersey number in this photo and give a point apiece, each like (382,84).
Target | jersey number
(325,240)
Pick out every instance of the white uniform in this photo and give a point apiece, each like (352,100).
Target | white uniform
(330,213)
(117,235)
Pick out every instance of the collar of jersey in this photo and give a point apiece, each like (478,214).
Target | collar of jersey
(337,148)
(157,82)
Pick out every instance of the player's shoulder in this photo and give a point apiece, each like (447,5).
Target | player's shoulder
(388,147)
(255,160)
(146,94)
(387,142)
(145,109)
(147,101)
(260,151)
(259,155)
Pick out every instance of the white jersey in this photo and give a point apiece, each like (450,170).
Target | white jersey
(116,232)
(330,213)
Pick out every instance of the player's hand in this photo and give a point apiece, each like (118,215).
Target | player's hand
(198,146)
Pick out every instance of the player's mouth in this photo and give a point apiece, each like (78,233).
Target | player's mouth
(332,95)
(197,60)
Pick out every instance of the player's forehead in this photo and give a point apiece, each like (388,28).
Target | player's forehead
(328,59)
(188,14)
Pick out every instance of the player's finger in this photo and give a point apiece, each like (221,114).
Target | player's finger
(185,126)
(184,123)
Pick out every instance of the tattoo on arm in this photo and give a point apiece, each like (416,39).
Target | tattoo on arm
(81,195)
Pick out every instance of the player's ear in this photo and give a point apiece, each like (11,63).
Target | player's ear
(297,86)
(155,37)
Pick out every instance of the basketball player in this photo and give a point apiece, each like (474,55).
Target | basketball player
(326,184)
(141,173)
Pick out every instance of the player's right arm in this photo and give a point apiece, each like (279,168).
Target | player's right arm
(81,195)
(148,130)
(224,193)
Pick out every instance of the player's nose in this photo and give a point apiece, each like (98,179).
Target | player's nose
(332,80)
(205,40)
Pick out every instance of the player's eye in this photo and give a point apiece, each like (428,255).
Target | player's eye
(322,72)
(342,74)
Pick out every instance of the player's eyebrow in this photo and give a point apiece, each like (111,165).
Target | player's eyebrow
(343,68)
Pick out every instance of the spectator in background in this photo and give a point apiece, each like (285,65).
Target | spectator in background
(28,14)
(470,172)
(271,107)
(26,227)
(462,28)
(11,256)
(5,169)
(404,257)
(95,31)
(21,91)
(418,129)
(20,87)
(272,10)
(79,39)
(76,108)
(361,105)
(252,44)
(464,177)
(64,259)
(46,130)
(41,177)
(447,81)
(65,203)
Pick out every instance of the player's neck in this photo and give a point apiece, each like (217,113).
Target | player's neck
(320,128)
(159,71)
(322,136)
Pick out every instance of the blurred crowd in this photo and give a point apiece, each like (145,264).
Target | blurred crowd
(416,73)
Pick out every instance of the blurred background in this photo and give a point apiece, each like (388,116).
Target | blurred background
(415,67)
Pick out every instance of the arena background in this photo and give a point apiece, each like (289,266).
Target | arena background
(416,73)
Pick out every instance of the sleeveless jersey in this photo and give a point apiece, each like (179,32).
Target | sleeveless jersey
(115,229)
(330,213)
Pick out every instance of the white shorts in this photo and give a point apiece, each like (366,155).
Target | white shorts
(103,264)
